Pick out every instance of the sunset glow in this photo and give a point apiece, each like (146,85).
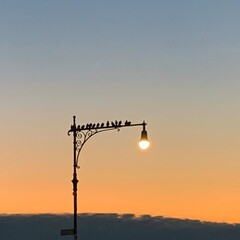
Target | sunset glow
(174,64)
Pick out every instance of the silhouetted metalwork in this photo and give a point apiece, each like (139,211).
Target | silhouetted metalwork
(81,134)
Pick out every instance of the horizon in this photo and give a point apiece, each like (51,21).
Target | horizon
(135,216)
(118,215)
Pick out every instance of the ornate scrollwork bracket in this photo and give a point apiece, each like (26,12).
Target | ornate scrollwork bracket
(81,136)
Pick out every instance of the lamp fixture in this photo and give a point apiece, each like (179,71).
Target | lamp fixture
(144,142)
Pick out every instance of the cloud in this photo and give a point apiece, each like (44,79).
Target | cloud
(113,226)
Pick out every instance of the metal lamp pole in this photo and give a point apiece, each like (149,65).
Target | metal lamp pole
(80,136)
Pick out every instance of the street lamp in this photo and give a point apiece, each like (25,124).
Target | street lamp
(81,134)
(144,143)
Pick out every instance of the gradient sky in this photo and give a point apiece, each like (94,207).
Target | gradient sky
(172,63)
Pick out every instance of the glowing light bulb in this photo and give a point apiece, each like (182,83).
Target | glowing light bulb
(144,144)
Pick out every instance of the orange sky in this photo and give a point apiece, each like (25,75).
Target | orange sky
(177,180)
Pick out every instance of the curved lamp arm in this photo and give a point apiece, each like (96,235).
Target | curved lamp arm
(83,133)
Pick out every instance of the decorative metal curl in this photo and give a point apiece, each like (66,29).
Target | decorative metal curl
(82,137)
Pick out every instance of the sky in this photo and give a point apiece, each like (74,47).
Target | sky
(174,64)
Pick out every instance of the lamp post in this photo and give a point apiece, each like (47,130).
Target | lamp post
(81,134)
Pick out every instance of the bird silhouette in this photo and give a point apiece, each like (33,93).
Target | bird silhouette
(113,124)
(107,124)
(127,123)
(102,125)
(98,124)
(82,127)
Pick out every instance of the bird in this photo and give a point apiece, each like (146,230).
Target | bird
(102,125)
(107,124)
(120,123)
(127,123)
(93,126)
(113,124)
(82,127)
(98,124)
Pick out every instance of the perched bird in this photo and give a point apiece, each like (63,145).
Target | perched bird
(107,124)
(113,124)
(120,123)
(127,123)
(93,126)
(102,125)
(98,125)
(82,127)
